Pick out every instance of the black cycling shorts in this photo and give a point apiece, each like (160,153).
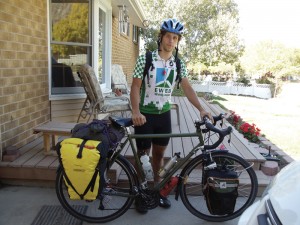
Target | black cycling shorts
(156,124)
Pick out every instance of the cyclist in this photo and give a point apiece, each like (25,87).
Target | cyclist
(151,97)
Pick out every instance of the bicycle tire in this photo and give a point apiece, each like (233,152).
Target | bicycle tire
(117,196)
(191,190)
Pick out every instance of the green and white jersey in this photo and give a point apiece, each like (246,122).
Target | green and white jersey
(156,95)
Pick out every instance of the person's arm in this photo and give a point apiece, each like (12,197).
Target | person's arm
(137,118)
(193,98)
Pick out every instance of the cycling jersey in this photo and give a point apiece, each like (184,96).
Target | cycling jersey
(156,95)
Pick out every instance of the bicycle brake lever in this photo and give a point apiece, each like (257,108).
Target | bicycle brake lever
(229,139)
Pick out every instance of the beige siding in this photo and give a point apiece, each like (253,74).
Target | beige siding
(66,110)
(23,70)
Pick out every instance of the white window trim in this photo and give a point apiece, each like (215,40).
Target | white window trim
(106,7)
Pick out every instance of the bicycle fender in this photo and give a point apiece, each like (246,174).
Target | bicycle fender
(220,150)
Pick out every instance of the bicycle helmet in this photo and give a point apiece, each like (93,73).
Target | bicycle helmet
(173,26)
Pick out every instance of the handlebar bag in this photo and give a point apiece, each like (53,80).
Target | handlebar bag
(220,191)
(83,163)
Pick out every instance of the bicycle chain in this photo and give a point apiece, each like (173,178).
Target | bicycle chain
(150,198)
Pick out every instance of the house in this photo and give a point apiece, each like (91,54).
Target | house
(42,44)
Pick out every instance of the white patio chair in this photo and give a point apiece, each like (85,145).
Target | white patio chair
(118,80)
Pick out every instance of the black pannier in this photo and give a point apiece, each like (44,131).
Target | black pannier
(220,191)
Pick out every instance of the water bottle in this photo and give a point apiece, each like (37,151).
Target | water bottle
(169,165)
(169,186)
(145,160)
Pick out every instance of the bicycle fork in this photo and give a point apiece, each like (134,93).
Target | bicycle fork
(209,163)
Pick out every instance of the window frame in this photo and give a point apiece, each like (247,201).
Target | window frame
(94,5)
(106,8)
(124,26)
(135,34)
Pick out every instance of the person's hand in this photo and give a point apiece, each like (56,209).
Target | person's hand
(208,114)
(118,92)
(138,119)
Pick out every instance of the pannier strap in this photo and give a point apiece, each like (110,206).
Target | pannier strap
(91,185)
(79,155)
(70,183)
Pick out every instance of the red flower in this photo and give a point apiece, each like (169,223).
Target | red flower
(251,132)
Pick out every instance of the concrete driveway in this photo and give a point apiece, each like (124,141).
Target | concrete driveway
(20,205)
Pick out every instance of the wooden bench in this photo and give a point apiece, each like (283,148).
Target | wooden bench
(53,129)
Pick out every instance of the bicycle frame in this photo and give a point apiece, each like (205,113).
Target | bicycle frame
(177,166)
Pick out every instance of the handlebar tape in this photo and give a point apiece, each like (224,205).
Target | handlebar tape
(222,133)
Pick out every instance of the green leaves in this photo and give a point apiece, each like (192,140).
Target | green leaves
(271,56)
(211,29)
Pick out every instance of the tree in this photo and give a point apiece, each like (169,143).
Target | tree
(211,29)
(72,27)
(157,11)
(269,56)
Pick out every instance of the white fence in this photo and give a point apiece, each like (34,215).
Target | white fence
(223,88)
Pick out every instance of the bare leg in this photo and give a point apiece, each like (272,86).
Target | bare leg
(157,160)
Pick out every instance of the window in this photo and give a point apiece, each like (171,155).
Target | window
(123,21)
(70,43)
(135,34)
(80,32)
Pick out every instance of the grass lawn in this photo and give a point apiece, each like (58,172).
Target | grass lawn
(278,118)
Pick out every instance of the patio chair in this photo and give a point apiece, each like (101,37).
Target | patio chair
(95,103)
(118,79)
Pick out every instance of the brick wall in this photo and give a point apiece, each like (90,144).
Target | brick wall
(24,99)
(124,50)
(23,70)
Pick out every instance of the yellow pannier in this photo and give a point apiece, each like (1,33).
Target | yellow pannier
(83,163)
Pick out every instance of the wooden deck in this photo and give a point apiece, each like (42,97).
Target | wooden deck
(34,165)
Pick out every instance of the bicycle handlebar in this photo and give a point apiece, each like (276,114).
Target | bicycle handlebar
(211,127)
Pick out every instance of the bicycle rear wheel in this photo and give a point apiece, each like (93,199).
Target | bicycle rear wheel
(191,191)
(114,201)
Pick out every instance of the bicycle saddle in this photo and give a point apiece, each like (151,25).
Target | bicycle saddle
(120,121)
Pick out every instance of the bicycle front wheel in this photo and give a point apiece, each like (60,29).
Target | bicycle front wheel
(114,201)
(191,191)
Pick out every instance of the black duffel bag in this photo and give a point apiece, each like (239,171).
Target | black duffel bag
(99,130)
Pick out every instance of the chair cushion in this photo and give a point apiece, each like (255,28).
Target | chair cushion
(112,104)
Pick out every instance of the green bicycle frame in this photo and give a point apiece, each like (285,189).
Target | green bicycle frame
(178,165)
